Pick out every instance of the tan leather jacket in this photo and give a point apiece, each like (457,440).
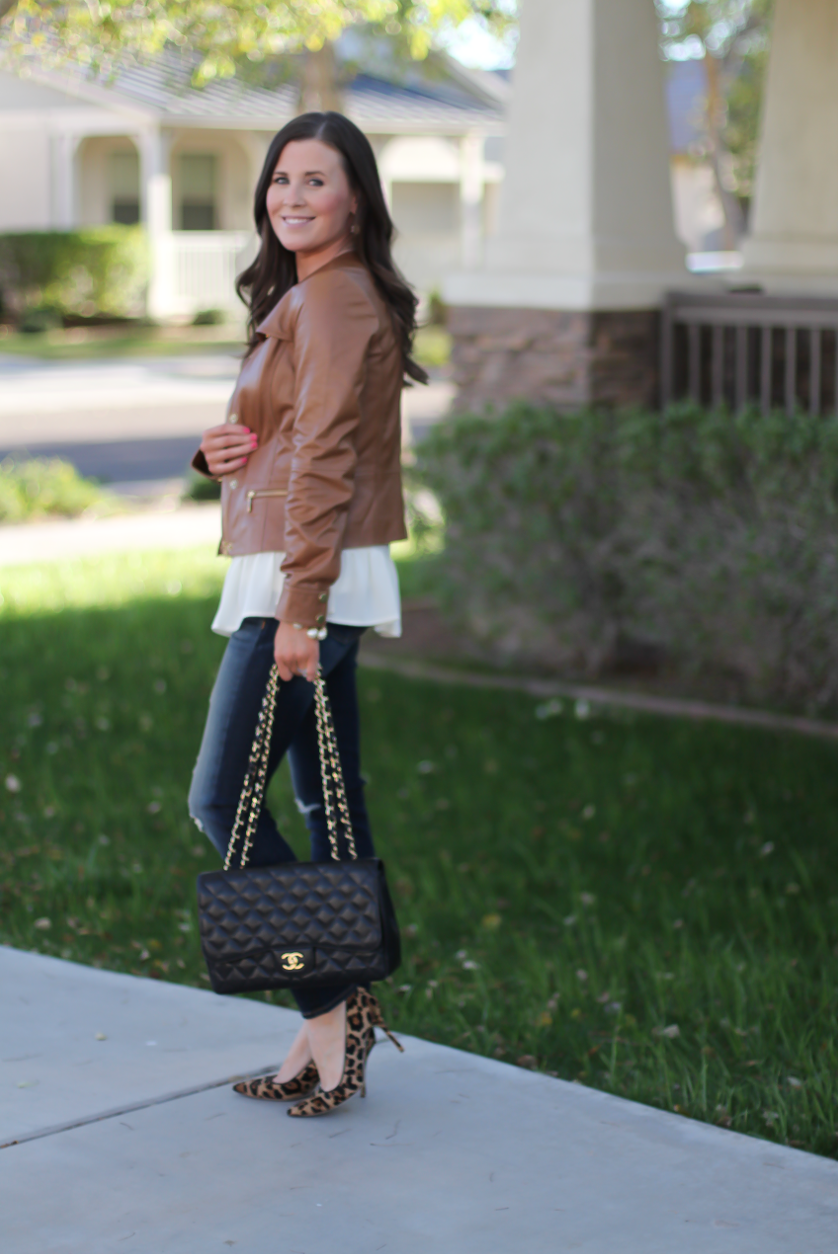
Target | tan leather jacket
(322,392)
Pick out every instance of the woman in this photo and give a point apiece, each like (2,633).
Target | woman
(309,463)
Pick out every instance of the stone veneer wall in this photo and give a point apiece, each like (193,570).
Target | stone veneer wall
(563,358)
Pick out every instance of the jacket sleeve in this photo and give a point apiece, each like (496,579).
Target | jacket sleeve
(199,463)
(334,326)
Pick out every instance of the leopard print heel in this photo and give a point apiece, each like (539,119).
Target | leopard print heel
(376,1020)
(269,1091)
(363,1016)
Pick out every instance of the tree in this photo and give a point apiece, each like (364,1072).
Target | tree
(100,33)
(732,37)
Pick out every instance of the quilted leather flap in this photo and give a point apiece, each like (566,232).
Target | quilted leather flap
(328,905)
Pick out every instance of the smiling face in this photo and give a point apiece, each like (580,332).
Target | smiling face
(310,203)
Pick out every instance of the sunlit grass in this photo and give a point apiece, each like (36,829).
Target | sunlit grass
(89,344)
(650,907)
(111,579)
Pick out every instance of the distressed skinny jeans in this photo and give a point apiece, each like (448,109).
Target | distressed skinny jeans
(225,748)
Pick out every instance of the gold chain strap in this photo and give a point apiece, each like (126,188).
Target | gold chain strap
(255,780)
(253,788)
(331,773)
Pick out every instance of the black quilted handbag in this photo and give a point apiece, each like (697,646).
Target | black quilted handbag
(299,924)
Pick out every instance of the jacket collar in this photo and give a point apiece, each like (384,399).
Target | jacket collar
(275,325)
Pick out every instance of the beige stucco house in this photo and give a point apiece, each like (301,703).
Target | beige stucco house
(146,146)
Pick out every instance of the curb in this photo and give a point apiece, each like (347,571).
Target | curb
(669,707)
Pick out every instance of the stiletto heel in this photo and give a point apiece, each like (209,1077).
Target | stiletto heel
(376,1020)
(268,1090)
(363,1016)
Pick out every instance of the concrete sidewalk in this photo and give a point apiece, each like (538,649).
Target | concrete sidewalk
(181,527)
(136,1142)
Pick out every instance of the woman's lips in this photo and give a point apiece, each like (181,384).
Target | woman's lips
(297,221)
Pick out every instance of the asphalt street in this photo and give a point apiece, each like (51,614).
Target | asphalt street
(117,421)
(137,421)
(119,461)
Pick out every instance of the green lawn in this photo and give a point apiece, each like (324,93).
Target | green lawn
(650,907)
(433,344)
(83,344)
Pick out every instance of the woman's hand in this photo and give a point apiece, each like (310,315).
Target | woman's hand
(295,653)
(227,448)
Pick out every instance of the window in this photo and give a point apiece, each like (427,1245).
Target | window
(124,187)
(197,192)
(426,208)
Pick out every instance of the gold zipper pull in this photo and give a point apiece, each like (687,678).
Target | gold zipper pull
(263,492)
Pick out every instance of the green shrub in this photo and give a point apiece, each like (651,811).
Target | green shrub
(709,539)
(209,318)
(40,486)
(42,318)
(200,488)
(101,270)
(432,346)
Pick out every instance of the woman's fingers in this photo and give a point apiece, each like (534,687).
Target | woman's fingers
(224,466)
(234,448)
(285,672)
(295,653)
(229,452)
(244,443)
(228,428)
(227,436)
(227,447)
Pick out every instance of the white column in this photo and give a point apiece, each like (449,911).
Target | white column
(65,180)
(156,215)
(255,144)
(586,216)
(793,238)
(471,200)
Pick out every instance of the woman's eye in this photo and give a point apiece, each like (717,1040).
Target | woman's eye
(316,182)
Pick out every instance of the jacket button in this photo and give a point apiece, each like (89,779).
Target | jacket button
(321,618)
(234,483)
(324,596)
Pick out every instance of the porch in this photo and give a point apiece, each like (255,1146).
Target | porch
(196,270)
(191,189)
(567,307)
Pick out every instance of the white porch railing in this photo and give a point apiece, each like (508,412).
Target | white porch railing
(195,270)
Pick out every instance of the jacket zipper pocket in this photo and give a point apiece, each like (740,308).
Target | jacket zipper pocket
(263,492)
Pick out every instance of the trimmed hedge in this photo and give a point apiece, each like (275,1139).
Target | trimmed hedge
(102,270)
(702,540)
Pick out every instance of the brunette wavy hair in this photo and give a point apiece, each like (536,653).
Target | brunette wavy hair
(274,271)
